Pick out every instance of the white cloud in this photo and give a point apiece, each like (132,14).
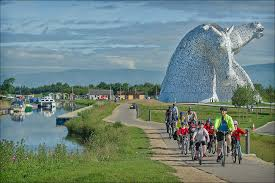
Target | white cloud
(122,62)
(30,55)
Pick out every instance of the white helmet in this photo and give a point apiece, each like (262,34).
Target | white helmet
(235,122)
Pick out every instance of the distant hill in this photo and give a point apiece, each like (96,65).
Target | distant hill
(262,73)
(85,77)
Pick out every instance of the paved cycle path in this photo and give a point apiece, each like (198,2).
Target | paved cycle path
(267,129)
(166,150)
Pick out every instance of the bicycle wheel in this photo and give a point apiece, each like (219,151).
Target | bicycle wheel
(210,147)
(239,155)
(234,154)
(192,152)
(182,147)
(223,153)
(185,146)
(200,156)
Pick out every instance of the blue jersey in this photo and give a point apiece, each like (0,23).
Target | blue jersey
(223,127)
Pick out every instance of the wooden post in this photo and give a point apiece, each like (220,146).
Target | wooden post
(137,111)
(247,141)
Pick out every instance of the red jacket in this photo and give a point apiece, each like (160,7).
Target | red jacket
(210,129)
(237,133)
(182,131)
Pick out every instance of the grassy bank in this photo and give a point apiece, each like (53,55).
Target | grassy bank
(84,102)
(114,153)
(246,119)
(261,145)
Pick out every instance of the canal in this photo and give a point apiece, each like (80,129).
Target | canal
(38,127)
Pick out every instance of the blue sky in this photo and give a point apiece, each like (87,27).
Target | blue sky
(38,36)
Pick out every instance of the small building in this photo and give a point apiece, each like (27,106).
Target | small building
(130,95)
(98,94)
(121,95)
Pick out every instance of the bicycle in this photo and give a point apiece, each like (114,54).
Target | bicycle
(200,154)
(236,150)
(192,148)
(224,148)
(212,145)
(170,132)
(184,144)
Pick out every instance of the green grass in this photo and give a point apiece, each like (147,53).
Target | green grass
(261,145)
(85,102)
(113,153)
(245,119)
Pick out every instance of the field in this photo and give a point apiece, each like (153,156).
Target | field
(113,153)
(263,146)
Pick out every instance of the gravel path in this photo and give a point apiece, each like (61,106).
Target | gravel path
(166,150)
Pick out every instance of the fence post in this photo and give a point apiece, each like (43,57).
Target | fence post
(137,111)
(149,115)
(247,141)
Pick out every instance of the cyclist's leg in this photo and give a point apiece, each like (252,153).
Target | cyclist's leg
(197,144)
(228,140)
(203,148)
(167,126)
(219,139)
(190,141)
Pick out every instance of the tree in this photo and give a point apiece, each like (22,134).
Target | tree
(244,96)
(7,86)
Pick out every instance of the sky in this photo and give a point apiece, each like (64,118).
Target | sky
(42,36)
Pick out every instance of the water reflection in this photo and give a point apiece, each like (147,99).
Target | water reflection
(18,116)
(48,112)
(37,128)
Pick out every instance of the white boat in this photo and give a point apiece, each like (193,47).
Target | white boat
(48,102)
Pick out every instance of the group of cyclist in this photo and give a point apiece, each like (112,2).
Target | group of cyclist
(203,133)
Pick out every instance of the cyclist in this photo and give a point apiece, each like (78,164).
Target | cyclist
(182,118)
(183,130)
(236,135)
(223,123)
(175,112)
(200,136)
(191,129)
(191,116)
(168,117)
(210,129)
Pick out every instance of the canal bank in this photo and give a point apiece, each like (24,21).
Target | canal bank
(37,127)
(61,119)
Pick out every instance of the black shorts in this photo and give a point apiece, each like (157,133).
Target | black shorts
(198,144)
(220,136)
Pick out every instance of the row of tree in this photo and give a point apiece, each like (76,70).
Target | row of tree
(7,87)
(243,95)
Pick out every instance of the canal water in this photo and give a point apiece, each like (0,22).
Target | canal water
(38,127)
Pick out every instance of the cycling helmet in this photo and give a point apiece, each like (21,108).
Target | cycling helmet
(235,122)
(181,113)
(200,122)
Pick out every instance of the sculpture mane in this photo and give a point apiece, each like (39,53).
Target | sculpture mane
(203,66)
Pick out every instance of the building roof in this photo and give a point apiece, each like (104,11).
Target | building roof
(130,93)
(100,92)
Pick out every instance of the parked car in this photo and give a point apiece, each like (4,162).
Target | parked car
(133,106)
